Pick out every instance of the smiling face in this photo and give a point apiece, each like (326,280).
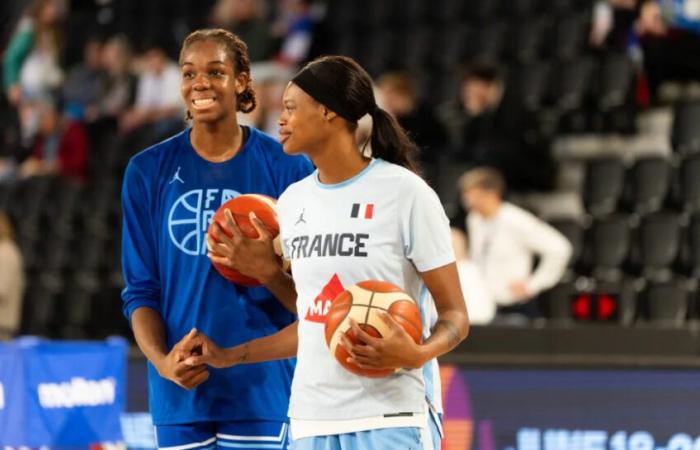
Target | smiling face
(303,125)
(209,82)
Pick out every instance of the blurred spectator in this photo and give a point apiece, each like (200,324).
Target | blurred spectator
(61,148)
(669,33)
(120,83)
(398,95)
(85,83)
(158,110)
(480,304)
(269,87)
(505,240)
(295,26)
(612,23)
(246,19)
(488,128)
(31,61)
(661,35)
(11,280)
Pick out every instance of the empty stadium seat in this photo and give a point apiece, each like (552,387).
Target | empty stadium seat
(520,8)
(529,84)
(453,42)
(526,40)
(448,11)
(555,304)
(687,184)
(691,247)
(414,48)
(666,304)
(657,243)
(480,11)
(615,81)
(603,185)
(607,247)
(685,136)
(571,83)
(489,42)
(569,37)
(647,184)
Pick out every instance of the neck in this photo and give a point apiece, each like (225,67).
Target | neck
(492,209)
(339,159)
(217,141)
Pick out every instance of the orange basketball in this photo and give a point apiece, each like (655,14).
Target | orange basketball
(240,207)
(362,302)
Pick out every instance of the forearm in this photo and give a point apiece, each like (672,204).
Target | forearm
(451,328)
(281,345)
(282,286)
(149,332)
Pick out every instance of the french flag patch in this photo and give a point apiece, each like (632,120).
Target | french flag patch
(362,210)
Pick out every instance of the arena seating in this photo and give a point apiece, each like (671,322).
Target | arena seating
(639,241)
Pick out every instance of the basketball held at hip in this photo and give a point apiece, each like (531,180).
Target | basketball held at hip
(363,303)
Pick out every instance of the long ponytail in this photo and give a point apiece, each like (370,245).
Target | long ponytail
(345,87)
(391,143)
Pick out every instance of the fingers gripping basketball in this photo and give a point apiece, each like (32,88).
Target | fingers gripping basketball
(363,302)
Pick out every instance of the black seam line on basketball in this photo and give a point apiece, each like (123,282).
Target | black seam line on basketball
(420,332)
(369,308)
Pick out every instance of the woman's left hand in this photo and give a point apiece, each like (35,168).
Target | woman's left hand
(395,350)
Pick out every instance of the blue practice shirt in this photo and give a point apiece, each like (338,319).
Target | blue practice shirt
(169,196)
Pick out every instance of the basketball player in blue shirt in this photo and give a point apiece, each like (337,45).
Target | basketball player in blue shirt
(170,193)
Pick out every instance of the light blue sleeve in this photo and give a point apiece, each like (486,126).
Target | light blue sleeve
(425,228)
(139,254)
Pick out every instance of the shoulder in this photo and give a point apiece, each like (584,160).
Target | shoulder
(520,219)
(517,214)
(149,158)
(296,190)
(411,185)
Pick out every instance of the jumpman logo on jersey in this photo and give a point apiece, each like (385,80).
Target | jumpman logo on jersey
(301,217)
(176,177)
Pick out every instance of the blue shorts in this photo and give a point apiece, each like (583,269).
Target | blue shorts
(409,438)
(259,435)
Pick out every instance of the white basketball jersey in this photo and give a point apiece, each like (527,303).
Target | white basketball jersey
(386,224)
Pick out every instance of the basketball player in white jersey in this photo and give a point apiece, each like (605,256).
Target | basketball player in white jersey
(356,218)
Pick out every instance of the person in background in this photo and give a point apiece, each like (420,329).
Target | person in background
(61,148)
(11,280)
(490,128)
(398,94)
(158,108)
(505,239)
(120,83)
(246,19)
(31,59)
(296,27)
(480,304)
(85,83)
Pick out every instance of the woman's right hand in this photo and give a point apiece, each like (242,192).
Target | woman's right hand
(253,257)
(172,366)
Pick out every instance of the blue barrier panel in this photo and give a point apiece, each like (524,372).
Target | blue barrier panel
(61,394)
